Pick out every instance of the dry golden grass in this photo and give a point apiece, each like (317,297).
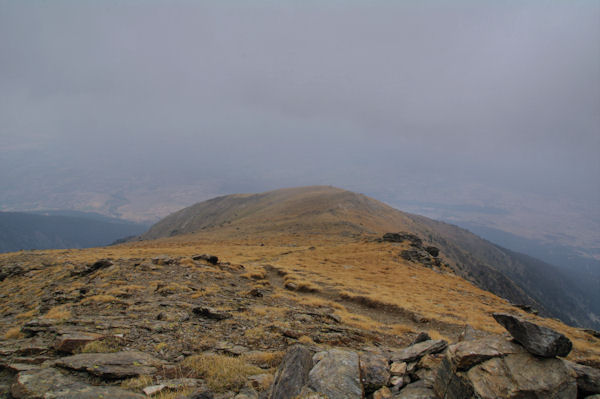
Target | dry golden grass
(100,346)
(305,339)
(137,383)
(60,312)
(99,299)
(220,372)
(264,359)
(26,315)
(14,333)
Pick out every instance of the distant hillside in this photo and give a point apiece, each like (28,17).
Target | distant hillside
(332,211)
(54,230)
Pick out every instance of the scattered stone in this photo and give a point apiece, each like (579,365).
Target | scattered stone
(210,313)
(421,337)
(11,271)
(163,260)
(526,308)
(117,365)
(592,332)
(416,390)
(247,393)
(260,382)
(292,374)
(397,382)
(154,389)
(382,393)
(89,269)
(213,260)
(84,391)
(398,368)
(336,374)
(588,378)
(70,342)
(539,340)
(374,372)
(416,351)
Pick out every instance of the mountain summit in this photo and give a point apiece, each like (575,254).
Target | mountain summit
(331,212)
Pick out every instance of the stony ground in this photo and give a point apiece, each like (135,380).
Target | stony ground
(116,320)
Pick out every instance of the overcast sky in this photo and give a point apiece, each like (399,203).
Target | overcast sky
(278,93)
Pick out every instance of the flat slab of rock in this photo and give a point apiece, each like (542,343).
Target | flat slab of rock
(292,374)
(116,365)
(336,374)
(50,383)
(539,340)
(70,342)
(467,354)
(417,351)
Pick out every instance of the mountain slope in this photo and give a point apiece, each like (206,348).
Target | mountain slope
(39,231)
(322,210)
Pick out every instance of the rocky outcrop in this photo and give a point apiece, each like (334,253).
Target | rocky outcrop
(116,365)
(374,371)
(539,340)
(493,367)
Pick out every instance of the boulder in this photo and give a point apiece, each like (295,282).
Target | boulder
(433,251)
(539,340)
(117,365)
(398,369)
(588,378)
(70,342)
(416,351)
(522,375)
(292,374)
(336,374)
(374,371)
(89,269)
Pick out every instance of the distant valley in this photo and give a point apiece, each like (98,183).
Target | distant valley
(62,229)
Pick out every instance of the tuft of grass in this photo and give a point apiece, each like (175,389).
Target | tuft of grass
(101,346)
(60,312)
(305,339)
(160,346)
(264,359)
(98,299)
(26,315)
(13,333)
(221,373)
(137,383)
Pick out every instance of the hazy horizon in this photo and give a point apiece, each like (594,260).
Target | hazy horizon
(136,109)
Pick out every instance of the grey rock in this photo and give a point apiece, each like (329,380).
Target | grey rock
(588,378)
(374,371)
(117,365)
(292,374)
(337,375)
(421,337)
(36,326)
(208,258)
(416,391)
(522,375)
(539,340)
(416,351)
(247,393)
(35,383)
(84,391)
(467,354)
